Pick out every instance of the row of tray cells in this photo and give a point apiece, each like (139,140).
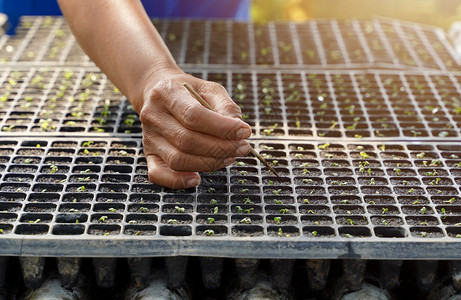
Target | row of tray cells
(310,208)
(63,100)
(42,39)
(94,147)
(239,225)
(320,42)
(241,197)
(302,166)
(330,105)
(313,210)
(301,155)
(334,105)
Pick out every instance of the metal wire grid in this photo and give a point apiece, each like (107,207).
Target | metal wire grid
(376,43)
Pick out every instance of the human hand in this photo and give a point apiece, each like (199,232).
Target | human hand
(181,137)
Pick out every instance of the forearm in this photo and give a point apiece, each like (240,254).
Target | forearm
(120,38)
(180,136)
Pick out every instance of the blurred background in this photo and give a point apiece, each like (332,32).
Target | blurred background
(441,13)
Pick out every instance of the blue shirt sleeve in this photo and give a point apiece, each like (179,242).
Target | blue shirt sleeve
(219,9)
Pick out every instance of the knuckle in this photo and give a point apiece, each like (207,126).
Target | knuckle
(149,112)
(145,115)
(176,161)
(232,108)
(215,86)
(183,141)
(189,116)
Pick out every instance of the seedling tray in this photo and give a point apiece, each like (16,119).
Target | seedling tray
(84,197)
(351,44)
(369,158)
(375,104)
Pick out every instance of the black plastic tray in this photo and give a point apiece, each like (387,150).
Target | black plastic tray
(85,197)
(350,44)
(281,104)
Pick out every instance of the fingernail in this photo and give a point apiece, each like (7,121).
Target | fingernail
(193,182)
(229,161)
(243,149)
(243,133)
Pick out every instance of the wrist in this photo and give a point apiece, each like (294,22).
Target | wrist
(147,82)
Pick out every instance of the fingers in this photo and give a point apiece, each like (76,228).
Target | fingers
(180,161)
(198,143)
(196,117)
(161,174)
(225,122)
(182,137)
(217,96)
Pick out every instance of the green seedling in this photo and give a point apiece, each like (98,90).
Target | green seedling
(450,201)
(351,222)
(284,211)
(103,219)
(247,200)
(364,155)
(179,209)
(246,220)
(277,192)
(208,232)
